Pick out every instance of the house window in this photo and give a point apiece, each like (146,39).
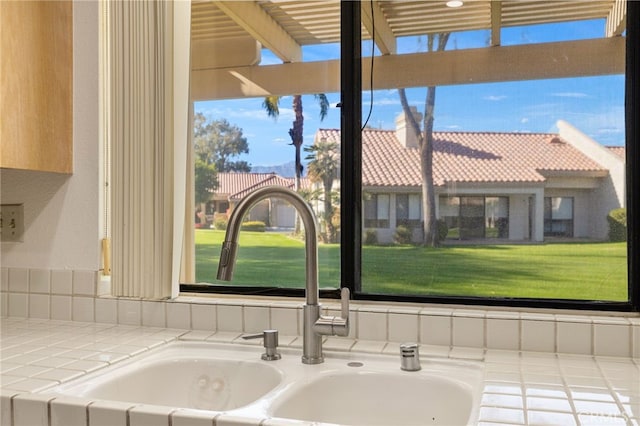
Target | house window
(475,217)
(408,211)
(376,210)
(558,216)
(496,217)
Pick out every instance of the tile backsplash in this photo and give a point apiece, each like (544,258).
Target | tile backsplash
(80,296)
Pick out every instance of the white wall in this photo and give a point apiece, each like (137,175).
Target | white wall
(62,212)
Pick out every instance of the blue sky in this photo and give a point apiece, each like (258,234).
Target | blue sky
(595,105)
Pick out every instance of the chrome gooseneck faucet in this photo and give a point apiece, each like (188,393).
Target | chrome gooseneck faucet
(315,325)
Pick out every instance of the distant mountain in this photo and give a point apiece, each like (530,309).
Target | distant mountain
(287,170)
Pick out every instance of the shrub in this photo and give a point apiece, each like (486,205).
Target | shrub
(370,237)
(220,223)
(402,235)
(256,226)
(443,230)
(617,219)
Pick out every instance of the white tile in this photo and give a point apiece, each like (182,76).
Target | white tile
(129,312)
(540,418)
(285,320)
(332,343)
(538,336)
(502,415)
(108,413)
(83,309)
(154,314)
(61,308)
(18,305)
(468,331)
(4,304)
(149,415)
(4,279)
(256,319)
(369,346)
(6,407)
(185,417)
(39,281)
(203,317)
(372,325)
(39,306)
(612,340)
(84,283)
(235,420)
(178,315)
(18,280)
(435,330)
(574,337)
(403,327)
(229,318)
(106,310)
(548,404)
(503,333)
(636,340)
(59,375)
(61,282)
(31,410)
(69,411)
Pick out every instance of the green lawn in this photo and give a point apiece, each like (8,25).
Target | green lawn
(587,271)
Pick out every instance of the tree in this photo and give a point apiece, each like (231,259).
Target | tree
(271,104)
(217,142)
(323,167)
(206,180)
(425,144)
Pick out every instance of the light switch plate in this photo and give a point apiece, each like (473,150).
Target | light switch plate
(11,222)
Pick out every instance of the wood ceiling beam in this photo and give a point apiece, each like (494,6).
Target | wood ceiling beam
(496,22)
(492,64)
(378,27)
(617,19)
(253,19)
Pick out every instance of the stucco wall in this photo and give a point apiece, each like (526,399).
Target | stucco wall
(62,212)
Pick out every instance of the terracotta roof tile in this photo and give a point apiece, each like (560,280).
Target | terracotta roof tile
(618,150)
(238,185)
(466,157)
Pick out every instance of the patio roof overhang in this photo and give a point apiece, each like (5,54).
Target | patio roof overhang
(242,28)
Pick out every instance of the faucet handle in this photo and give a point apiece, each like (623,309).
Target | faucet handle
(344,302)
(334,325)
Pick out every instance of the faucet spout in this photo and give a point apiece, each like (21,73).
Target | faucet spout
(315,325)
(230,245)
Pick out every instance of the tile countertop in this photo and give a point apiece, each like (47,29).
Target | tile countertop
(520,388)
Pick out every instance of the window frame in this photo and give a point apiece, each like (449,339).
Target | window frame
(351,188)
(351,145)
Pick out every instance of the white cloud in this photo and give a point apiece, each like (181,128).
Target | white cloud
(570,95)
(524,120)
(494,97)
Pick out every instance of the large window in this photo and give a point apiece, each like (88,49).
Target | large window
(558,216)
(376,210)
(513,151)
(408,211)
(469,218)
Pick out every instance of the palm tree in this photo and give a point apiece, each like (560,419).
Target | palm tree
(271,104)
(425,143)
(323,167)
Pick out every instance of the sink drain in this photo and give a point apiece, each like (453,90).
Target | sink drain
(355,364)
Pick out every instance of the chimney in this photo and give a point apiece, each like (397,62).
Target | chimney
(404,132)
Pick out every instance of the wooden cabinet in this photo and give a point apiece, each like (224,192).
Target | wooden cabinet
(36,85)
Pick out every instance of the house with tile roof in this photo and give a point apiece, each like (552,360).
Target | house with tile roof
(490,185)
(232,187)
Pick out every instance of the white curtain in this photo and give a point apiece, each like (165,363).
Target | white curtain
(148,115)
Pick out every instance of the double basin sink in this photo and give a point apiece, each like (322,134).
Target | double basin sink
(347,389)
